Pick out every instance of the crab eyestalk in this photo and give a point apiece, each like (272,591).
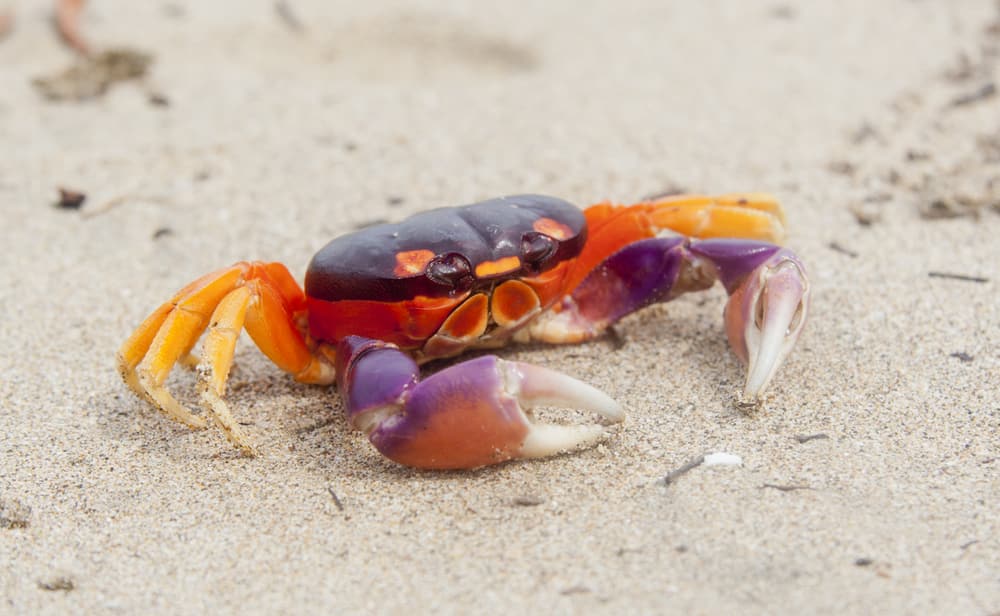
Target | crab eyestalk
(764,317)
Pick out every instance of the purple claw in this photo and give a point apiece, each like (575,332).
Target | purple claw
(767,286)
(764,317)
(469,415)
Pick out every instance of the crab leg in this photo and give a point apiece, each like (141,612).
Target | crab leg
(767,286)
(469,415)
(263,297)
(752,216)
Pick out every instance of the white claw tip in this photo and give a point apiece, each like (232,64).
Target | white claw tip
(538,386)
(547,440)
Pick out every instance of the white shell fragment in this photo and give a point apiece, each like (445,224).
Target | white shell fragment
(722,459)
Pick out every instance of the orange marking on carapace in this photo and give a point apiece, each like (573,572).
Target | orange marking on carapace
(468,321)
(499,267)
(412,262)
(552,228)
(512,301)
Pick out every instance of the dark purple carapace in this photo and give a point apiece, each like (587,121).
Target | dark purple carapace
(539,231)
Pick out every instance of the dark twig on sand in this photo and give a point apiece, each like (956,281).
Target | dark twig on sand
(984,92)
(836,247)
(782,488)
(288,16)
(336,499)
(673,475)
(964,277)
(805,438)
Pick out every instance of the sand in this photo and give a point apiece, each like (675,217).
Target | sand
(278,134)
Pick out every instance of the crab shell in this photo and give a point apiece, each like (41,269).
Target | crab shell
(446,279)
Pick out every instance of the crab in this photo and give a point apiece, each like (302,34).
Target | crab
(380,302)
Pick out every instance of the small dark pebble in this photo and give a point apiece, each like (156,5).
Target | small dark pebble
(865,214)
(528,501)
(158,99)
(864,133)
(70,199)
(863,562)
(579,589)
(841,167)
(14,514)
(681,549)
(162,232)
(174,10)
(878,197)
(394,201)
(782,11)
(60,583)
(962,357)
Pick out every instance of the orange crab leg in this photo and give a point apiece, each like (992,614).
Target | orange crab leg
(262,297)
(273,328)
(756,216)
(220,346)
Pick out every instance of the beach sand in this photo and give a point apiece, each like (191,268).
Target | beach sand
(262,134)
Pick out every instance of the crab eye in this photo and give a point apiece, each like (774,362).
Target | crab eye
(449,269)
(536,248)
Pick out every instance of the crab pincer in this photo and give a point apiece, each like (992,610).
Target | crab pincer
(472,414)
(768,303)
